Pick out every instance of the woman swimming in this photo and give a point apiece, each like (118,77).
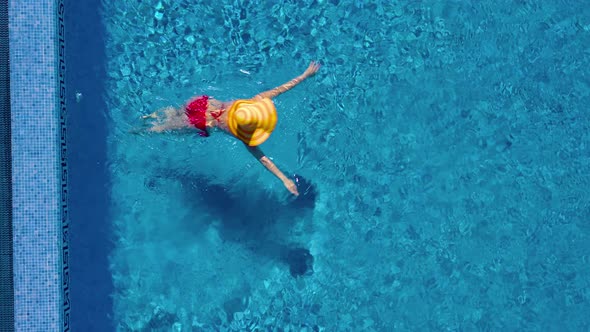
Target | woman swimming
(249,120)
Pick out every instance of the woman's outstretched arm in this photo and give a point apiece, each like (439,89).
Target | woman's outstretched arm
(310,71)
(259,155)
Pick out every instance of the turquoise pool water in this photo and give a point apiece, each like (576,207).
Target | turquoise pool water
(446,144)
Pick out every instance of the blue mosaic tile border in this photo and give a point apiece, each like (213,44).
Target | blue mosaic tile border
(39,168)
(65,225)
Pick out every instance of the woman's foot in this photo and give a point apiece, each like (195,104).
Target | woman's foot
(151,116)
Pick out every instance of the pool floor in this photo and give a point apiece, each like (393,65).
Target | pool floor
(444,144)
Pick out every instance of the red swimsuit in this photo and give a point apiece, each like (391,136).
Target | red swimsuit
(196,111)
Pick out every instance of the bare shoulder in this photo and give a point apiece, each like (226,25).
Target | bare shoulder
(228,104)
(261,96)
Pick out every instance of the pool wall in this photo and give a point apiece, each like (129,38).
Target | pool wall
(89,186)
(39,168)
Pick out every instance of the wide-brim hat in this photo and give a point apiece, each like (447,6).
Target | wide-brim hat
(252,120)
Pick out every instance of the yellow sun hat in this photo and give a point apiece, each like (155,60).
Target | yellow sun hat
(252,120)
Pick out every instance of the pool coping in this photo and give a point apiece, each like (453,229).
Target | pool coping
(39,165)
(6,253)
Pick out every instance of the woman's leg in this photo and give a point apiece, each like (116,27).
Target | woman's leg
(166,119)
(163,112)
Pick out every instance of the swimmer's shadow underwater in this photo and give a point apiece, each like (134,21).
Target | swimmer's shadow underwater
(256,219)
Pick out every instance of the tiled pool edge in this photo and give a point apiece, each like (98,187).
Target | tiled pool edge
(64,222)
(39,168)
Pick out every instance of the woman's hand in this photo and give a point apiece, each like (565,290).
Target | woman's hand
(312,69)
(291,186)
